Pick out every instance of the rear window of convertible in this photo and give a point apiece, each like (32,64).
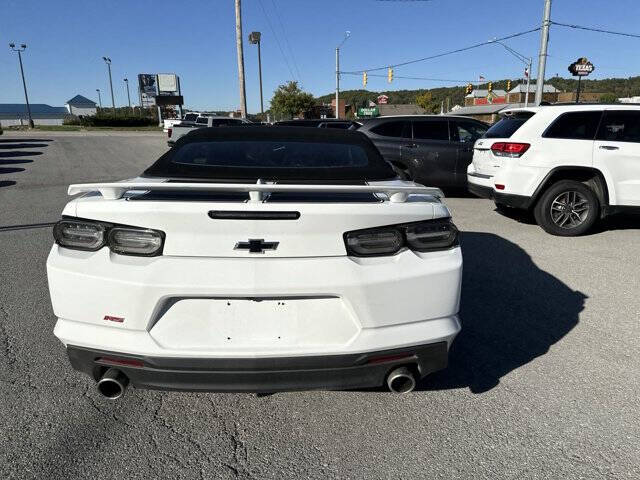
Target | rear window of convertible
(269,158)
(270,154)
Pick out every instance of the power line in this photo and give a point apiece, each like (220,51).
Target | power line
(599,30)
(277,41)
(450,52)
(417,78)
(286,40)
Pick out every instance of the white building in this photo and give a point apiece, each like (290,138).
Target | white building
(81,106)
(629,99)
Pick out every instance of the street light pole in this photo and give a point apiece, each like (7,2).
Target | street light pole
(346,36)
(107,60)
(126,81)
(22,48)
(243,91)
(542,58)
(254,38)
(99,97)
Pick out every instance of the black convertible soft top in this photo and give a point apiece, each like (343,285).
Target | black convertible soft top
(289,154)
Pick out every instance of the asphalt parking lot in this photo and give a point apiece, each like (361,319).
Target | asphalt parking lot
(543,382)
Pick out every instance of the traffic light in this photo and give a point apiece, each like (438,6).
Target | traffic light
(490,87)
(508,85)
(390,75)
(364,79)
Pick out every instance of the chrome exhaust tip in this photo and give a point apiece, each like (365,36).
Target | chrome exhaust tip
(112,384)
(401,380)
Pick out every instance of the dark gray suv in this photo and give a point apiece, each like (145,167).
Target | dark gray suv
(434,150)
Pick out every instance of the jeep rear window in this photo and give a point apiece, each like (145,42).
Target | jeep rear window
(508,125)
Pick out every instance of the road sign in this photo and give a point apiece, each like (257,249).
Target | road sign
(581,67)
(368,112)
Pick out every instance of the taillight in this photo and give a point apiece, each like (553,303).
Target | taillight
(135,241)
(426,236)
(509,149)
(91,235)
(79,235)
(169,131)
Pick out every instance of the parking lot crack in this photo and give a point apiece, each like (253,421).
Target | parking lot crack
(5,340)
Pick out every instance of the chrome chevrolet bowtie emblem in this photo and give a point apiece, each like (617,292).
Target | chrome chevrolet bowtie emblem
(256,245)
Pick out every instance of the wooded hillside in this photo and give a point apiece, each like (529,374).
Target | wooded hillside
(621,87)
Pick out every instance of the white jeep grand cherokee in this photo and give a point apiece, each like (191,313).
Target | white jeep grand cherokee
(570,164)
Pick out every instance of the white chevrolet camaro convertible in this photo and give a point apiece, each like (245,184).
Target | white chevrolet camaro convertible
(257,259)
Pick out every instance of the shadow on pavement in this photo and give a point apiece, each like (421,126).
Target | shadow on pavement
(512,312)
(4,170)
(618,222)
(14,162)
(24,140)
(18,154)
(14,151)
(10,146)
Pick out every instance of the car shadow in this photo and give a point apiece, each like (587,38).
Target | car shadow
(512,312)
(517,214)
(619,221)
(457,193)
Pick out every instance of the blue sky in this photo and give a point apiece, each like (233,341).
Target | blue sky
(196,39)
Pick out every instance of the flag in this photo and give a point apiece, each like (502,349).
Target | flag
(526,72)
(480,78)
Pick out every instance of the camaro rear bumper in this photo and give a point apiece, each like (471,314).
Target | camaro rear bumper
(327,372)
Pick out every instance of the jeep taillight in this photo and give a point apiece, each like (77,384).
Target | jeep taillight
(509,149)
(169,131)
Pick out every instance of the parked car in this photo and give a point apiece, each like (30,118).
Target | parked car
(181,129)
(171,122)
(569,164)
(320,123)
(429,149)
(257,259)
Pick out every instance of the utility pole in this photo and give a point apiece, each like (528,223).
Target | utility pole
(526,95)
(337,81)
(346,36)
(126,81)
(243,92)
(254,37)
(99,97)
(22,48)
(542,58)
(107,60)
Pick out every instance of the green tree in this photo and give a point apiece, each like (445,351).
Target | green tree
(288,100)
(426,101)
(609,98)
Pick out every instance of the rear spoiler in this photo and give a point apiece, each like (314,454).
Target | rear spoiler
(116,190)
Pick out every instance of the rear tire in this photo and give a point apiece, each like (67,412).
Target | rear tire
(568,208)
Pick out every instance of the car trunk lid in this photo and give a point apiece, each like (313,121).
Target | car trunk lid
(307,223)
